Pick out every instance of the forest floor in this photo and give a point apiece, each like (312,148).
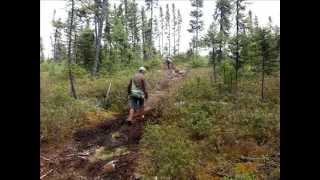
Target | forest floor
(89,154)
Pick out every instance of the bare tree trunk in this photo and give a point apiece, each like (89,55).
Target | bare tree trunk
(159,41)
(179,34)
(237,48)
(214,65)
(178,42)
(75,48)
(99,19)
(197,33)
(174,29)
(214,72)
(98,41)
(162,29)
(126,14)
(71,78)
(262,81)
(150,45)
(224,75)
(169,39)
(143,31)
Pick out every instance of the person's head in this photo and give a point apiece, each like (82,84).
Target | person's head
(142,70)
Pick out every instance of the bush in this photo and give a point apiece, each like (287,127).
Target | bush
(198,87)
(60,115)
(214,121)
(242,177)
(247,71)
(196,63)
(182,58)
(260,126)
(54,70)
(153,64)
(244,171)
(196,119)
(226,70)
(168,152)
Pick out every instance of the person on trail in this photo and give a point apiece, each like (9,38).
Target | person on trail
(137,94)
(169,61)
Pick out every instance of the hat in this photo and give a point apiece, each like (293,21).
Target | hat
(142,69)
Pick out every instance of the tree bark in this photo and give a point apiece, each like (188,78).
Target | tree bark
(99,18)
(174,30)
(262,80)
(237,41)
(197,32)
(224,75)
(169,38)
(214,65)
(71,78)
(150,43)
(126,14)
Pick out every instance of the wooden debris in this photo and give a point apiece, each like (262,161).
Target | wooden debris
(44,158)
(43,176)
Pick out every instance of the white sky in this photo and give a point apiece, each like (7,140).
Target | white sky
(261,8)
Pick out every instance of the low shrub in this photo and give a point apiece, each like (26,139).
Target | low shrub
(196,63)
(167,152)
(60,113)
(196,119)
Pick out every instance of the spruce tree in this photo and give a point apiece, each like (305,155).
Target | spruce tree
(196,24)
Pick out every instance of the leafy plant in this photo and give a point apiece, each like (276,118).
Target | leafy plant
(196,120)
(170,152)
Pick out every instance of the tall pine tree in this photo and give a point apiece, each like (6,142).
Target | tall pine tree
(196,24)
(222,16)
(168,32)
(162,28)
(179,30)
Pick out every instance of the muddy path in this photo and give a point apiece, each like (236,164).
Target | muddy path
(110,149)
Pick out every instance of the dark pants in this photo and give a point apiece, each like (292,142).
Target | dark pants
(168,64)
(136,103)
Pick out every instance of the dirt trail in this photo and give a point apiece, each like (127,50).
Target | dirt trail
(112,136)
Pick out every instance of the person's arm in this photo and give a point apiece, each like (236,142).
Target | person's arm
(144,89)
(129,87)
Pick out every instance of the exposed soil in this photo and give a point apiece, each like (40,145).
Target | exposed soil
(72,160)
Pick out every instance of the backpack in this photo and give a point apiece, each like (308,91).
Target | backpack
(135,92)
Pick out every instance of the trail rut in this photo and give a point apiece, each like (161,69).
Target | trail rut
(112,135)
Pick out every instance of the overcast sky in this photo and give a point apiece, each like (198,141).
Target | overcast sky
(261,8)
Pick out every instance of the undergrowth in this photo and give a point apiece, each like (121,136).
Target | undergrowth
(221,127)
(61,115)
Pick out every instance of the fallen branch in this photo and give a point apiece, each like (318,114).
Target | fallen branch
(45,158)
(79,154)
(220,174)
(82,157)
(251,158)
(46,174)
(109,88)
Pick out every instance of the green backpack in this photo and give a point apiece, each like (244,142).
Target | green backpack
(135,92)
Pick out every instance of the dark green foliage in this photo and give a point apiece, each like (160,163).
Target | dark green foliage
(170,152)
(268,49)
(59,48)
(41,51)
(196,119)
(222,16)
(85,49)
(196,24)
